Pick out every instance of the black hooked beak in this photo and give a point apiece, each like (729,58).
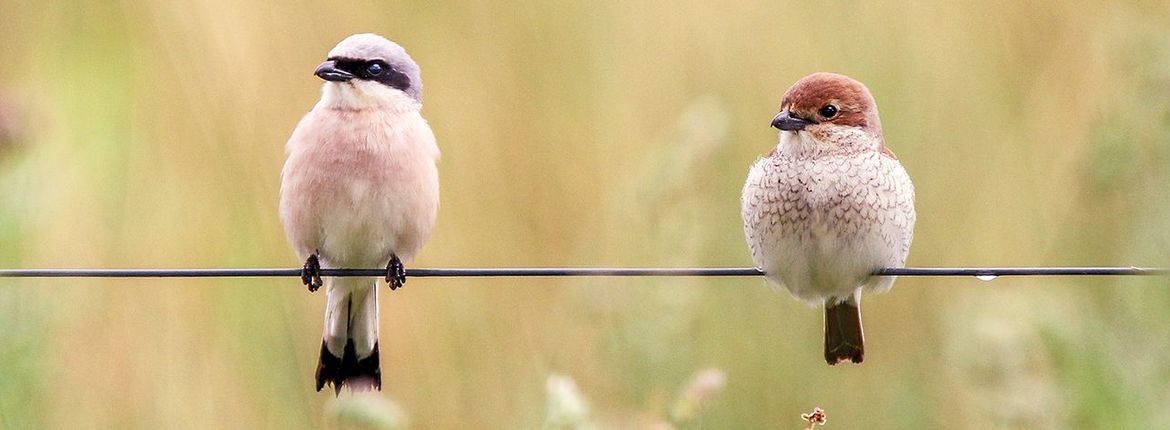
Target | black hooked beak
(329,72)
(785,121)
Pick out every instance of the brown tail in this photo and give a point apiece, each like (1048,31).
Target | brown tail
(844,340)
(359,375)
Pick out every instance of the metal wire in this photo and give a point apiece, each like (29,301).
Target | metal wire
(569,271)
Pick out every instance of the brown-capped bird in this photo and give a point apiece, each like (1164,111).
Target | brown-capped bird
(828,205)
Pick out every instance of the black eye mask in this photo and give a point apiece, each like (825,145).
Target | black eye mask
(373,70)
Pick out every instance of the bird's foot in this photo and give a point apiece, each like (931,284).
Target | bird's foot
(311,273)
(395,273)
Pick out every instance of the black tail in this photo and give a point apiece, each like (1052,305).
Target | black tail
(844,340)
(360,375)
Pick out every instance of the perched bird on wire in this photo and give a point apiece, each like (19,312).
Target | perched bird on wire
(828,205)
(360,189)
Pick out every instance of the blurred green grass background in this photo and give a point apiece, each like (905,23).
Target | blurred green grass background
(575,133)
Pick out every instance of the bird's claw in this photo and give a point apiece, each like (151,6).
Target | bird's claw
(395,273)
(311,273)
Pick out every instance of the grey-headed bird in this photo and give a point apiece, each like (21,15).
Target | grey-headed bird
(828,205)
(360,189)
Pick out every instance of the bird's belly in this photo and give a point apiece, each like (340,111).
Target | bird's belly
(358,225)
(377,220)
(360,220)
(818,261)
(819,242)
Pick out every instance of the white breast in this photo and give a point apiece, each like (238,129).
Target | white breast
(818,224)
(360,185)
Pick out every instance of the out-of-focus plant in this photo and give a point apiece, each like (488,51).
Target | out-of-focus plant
(567,408)
(367,410)
(814,418)
(697,396)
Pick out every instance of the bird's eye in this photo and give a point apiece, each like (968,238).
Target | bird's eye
(374,69)
(829,111)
